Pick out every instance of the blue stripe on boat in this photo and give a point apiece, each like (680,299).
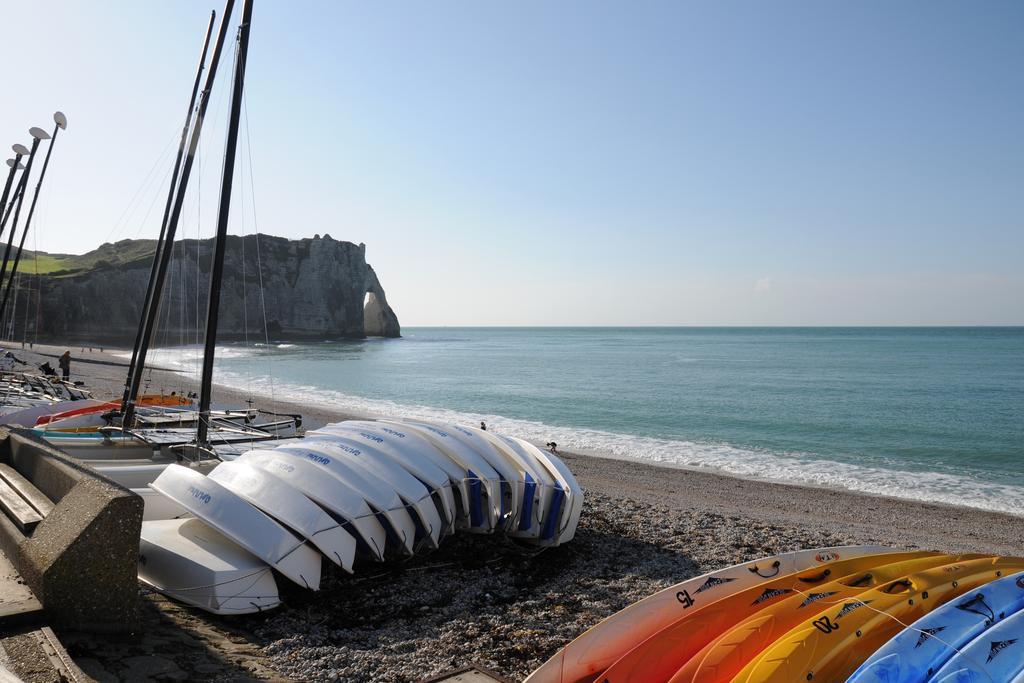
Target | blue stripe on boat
(554,514)
(476,513)
(526,514)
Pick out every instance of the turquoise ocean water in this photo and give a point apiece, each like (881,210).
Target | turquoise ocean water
(925,413)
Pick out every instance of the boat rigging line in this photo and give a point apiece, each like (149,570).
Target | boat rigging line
(149,313)
(213,309)
(127,398)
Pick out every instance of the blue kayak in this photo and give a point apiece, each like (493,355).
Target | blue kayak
(995,655)
(925,646)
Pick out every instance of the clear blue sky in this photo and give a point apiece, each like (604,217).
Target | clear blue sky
(573,163)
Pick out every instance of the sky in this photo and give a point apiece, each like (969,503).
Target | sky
(572,162)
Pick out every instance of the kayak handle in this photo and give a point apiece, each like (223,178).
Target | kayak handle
(817,577)
(860,581)
(902,583)
(775,565)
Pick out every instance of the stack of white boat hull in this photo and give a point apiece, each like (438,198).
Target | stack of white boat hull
(371,489)
(246,525)
(206,569)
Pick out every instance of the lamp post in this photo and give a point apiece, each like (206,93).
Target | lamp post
(60,123)
(38,135)
(16,165)
(19,151)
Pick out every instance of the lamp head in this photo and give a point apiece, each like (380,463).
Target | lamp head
(10,162)
(20,149)
(38,133)
(60,120)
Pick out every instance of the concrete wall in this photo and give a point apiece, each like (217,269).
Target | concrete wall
(81,560)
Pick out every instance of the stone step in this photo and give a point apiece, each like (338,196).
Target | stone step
(18,606)
(26,489)
(18,509)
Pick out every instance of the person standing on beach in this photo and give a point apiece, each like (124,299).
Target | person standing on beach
(65,365)
(483,426)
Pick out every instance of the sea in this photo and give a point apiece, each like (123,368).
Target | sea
(931,414)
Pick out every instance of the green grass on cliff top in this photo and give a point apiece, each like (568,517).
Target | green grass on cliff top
(126,251)
(39,263)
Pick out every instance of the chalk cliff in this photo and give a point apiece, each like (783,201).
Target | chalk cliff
(317,288)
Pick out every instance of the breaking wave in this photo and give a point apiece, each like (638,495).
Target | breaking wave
(186,358)
(805,469)
(942,481)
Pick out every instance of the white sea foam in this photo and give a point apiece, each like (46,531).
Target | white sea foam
(796,468)
(186,358)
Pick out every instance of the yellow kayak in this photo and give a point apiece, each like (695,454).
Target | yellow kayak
(595,650)
(658,657)
(726,655)
(831,644)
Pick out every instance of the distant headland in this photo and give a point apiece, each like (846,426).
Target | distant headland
(307,289)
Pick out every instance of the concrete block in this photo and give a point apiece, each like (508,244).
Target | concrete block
(81,559)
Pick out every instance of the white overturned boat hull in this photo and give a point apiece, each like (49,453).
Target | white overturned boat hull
(290,507)
(157,506)
(527,496)
(511,481)
(361,486)
(373,463)
(242,523)
(480,484)
(544,518)
(413,454)
(378,495)
(138,478)
(329,492)
(572,504)
(187,560)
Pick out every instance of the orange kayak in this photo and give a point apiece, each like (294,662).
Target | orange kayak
(595,650)
(831,644)
(661,655)
(726,655)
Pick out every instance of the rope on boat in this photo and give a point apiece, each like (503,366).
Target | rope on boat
(906,626)
(257,573)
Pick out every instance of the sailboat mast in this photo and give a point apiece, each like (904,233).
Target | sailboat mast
(160,245)
(217,272)
(149,315)
(60,123)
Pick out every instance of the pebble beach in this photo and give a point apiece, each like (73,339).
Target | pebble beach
(485,601)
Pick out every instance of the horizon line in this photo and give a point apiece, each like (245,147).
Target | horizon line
(748,327)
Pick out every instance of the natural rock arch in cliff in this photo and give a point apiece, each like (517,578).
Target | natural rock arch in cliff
(378,318)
